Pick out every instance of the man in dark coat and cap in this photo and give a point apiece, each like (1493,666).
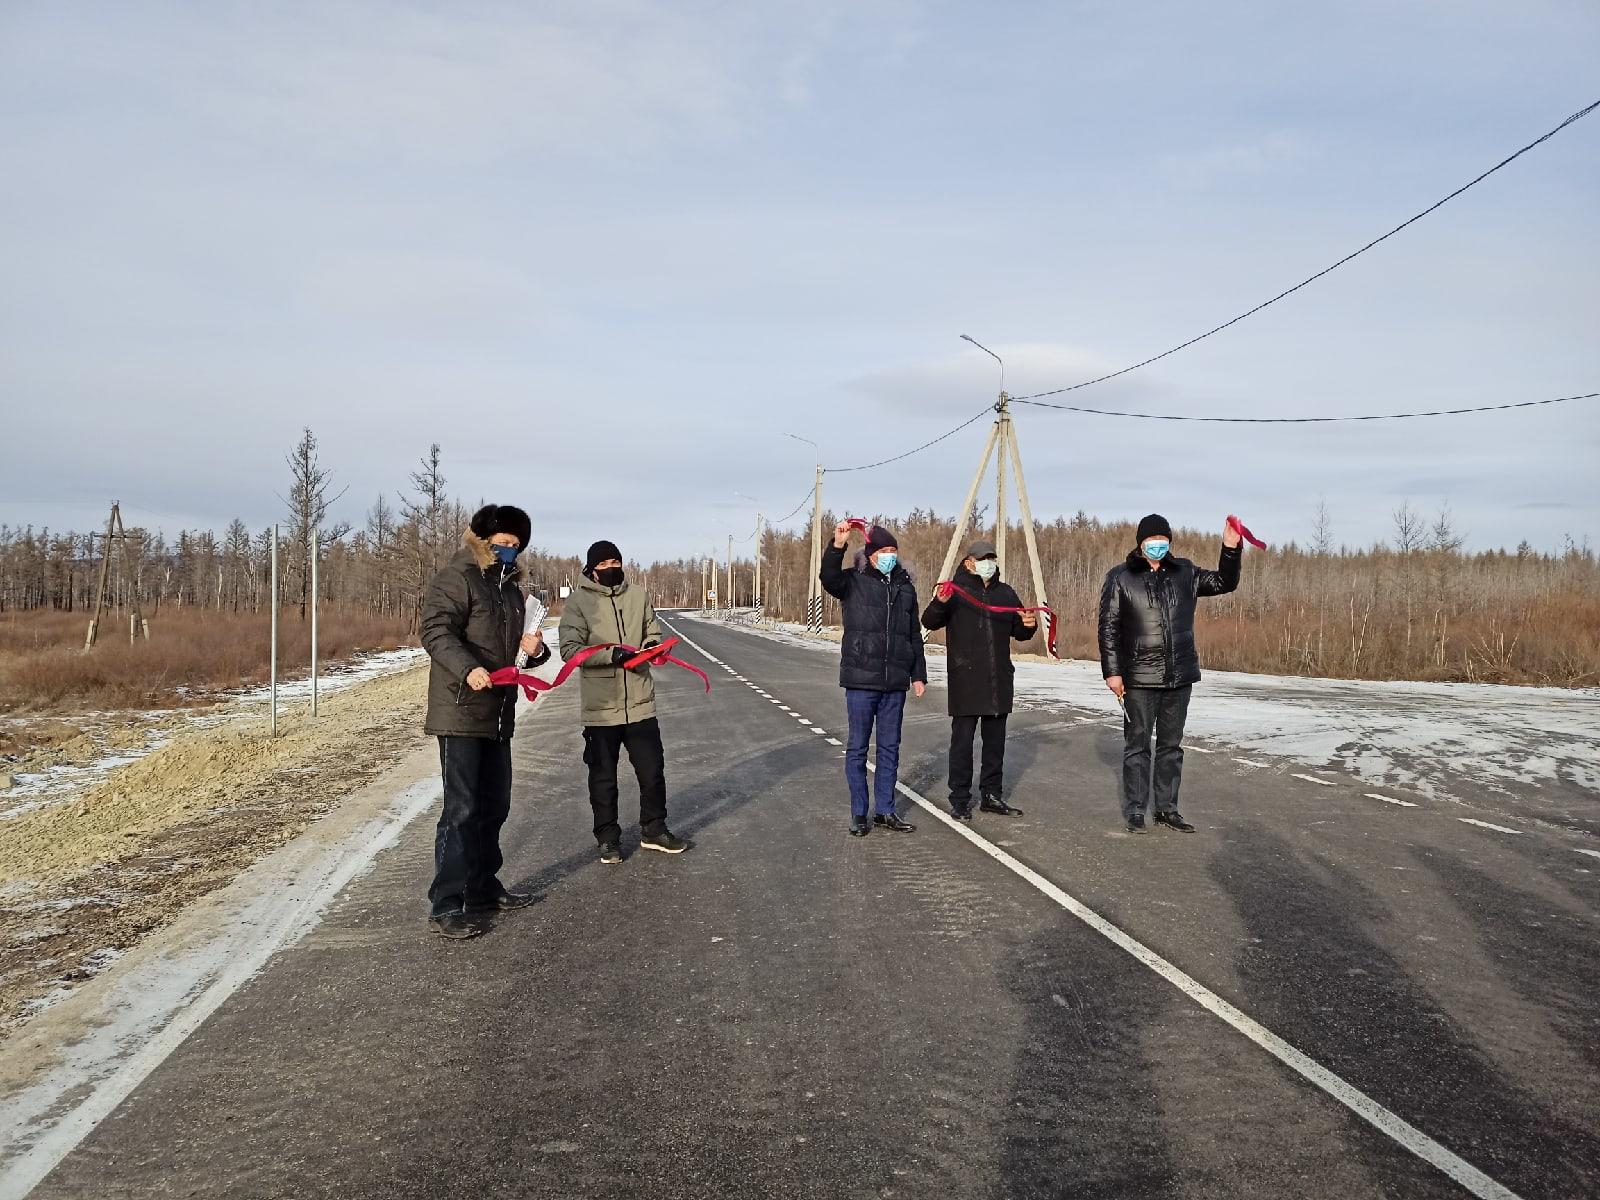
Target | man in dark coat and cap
(1148,658)
(980,673)
(472,616)
(880,659)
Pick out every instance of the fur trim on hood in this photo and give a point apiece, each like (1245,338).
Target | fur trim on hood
(483,554)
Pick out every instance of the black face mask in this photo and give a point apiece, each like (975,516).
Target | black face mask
(608,576)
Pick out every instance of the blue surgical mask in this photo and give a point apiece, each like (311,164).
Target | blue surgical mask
(1157,548)
(985,568)
(506,554)
(887,562)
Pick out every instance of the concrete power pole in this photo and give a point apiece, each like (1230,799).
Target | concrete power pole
(760,533)
(730,573)
(814,581)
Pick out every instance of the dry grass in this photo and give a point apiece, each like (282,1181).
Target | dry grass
(192,654)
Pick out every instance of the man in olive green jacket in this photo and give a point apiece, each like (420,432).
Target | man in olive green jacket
(618,704)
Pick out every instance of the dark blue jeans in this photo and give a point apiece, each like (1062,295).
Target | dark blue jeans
(864,709)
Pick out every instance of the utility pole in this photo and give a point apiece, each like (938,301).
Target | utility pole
(756,599)
(274,574)
(117,535)
(730,573)
(316,554)
(1002,445)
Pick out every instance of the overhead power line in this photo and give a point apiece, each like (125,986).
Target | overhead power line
(977,416)
(1577,116)
(804,500)
(1400,416)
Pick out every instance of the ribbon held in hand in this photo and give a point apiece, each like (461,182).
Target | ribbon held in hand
(948,588)
(532,686)
(1240,528)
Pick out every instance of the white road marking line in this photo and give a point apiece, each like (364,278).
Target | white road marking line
(773,700)
(784,708)
(1357,1101)
(1314,779)
(802,720)
(1590,853)
(1389,800)
(1487,825)
(1199,749)
(833,741)
(814,729)
(1249,762)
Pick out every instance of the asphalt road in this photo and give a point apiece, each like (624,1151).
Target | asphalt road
(787,1011)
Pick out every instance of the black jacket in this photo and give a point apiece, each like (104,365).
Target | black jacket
(472,617)
(1147,618)
(978,645)
(882,648)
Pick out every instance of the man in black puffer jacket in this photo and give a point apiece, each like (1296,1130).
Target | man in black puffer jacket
(1148,658)
(980,673)
(881,656)
(472,618)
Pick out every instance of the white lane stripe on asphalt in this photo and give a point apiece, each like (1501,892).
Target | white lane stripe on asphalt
(1199,749)
(1347,1094)
(1314,779)
(833,741)
(1487,825)
(1590,853)
(1389,800)
(1357,1101)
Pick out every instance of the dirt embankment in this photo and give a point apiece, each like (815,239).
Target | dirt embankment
(84,880)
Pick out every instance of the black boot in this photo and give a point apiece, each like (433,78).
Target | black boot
(457,926)
(1172,820)
(992,803)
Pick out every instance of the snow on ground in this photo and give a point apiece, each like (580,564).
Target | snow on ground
(1447,741)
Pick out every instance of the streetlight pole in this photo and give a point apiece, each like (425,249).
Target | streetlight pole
(813,580)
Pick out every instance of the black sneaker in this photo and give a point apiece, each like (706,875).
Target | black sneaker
(859,827)
(1173,821)
(611,853)
(666,841)
(893,821)
(456,926)
(992,803)
(1136,823)
(961,812)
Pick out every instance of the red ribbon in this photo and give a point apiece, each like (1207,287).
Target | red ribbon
(532,686)
(858,523)
(944,591)
(1238,527)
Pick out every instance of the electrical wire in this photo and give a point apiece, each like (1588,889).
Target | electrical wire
(977,416)
(804,500)
(1577,116)
(1400,416)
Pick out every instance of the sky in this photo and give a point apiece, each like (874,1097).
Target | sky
(609,254)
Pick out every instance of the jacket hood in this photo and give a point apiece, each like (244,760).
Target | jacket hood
(483,554)
(901,571)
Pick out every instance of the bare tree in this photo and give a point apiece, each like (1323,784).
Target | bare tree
(308,502)
(427,512)
(1409,529)
(1322,530)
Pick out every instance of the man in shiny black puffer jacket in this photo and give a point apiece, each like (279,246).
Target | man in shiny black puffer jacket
(1148,658)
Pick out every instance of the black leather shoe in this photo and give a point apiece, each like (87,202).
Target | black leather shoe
(458,927)
(1136,824)
(504,902)
(1172,820)
(961,812)
(859,827)
(893,821)
(992,803)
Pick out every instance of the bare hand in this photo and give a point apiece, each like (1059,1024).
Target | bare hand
(841,534)
(1030,620)
(1230,535)
(1114,682)
(532,643)
(917,688)
(478,679)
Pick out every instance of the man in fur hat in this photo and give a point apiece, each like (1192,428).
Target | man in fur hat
(472,618)
(619,703)
(1148,658)
(980,673)
(880,659)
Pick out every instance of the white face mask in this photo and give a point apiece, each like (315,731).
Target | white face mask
(985,568)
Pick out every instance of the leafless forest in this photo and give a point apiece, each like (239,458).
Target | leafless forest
(1415,606)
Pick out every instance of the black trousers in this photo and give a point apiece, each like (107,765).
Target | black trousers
(477,797)
(602,747)
(991,775)
(1161,713)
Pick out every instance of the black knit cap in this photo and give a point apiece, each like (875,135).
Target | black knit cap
(502,518)
(880,539)
(599,553)
(1155,525)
